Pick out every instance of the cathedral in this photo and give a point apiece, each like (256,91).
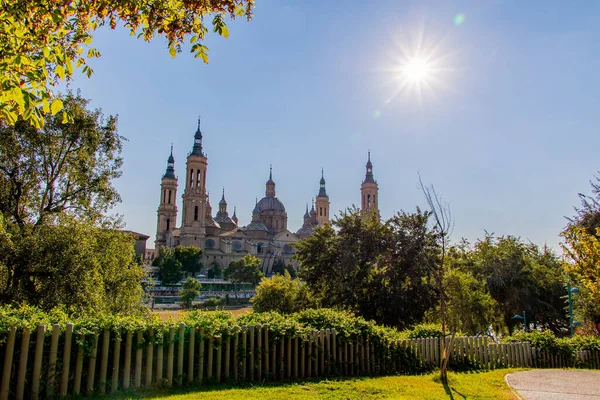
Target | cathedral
(267,235)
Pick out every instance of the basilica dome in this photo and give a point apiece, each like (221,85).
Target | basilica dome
(271,204)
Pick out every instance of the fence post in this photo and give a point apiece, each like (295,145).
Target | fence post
(37,362)
(219,350)
(334,348)
(251,353)
(137,380)
(159,356)
(104,359)
(170,354)
(180,343)
(236,360)
(244,350)
(92,363)
(116,361)
(201,356)
(288,371)
(78,370)
(266,349)
(227,352)
(127,366)
(66,360)
(309,356)
(23,363)
(328,346)
(7,368)
(259,351)
(295,357)
(209,358)
(191,355)
(282,358)
(51,379)
(149,357)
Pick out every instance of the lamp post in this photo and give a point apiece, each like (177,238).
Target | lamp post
(570,291)
(524,318)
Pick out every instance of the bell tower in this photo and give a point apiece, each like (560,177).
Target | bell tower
(194,195)
(369,191)
(322,203)
(167,208)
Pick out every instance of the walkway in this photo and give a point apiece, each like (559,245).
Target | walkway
(551,384)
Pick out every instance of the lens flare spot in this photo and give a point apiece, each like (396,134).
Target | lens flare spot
(459,19)
(377,114)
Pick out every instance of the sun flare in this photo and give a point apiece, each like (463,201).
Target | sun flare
(416,70)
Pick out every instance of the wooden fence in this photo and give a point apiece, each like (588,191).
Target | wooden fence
(44,364)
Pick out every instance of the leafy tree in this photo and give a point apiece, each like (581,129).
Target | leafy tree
(62,169)
(283,294)
(169,268)
(189,291)
(43,41)
(520,277)
(280,268)
(583,252)
(215,272)
(72,264)
(588,215)
(190,258)
(380,270)
(58,245)
(245,270)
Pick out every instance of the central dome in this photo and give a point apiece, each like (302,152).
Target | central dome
(270,204)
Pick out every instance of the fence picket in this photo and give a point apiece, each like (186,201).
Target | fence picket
(181,341)
(115,368)
(236,360)
(66,360)
(227,354)
(25,336)
(137,380)
(51,378)
(192,345)
(259,351)
(104,359)
(251,353)
(266,350)
(201,345)
(170,355)
(8,361)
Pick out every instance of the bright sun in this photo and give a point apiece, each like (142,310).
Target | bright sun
(416,71)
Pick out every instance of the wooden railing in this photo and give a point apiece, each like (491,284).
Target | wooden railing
(43,364)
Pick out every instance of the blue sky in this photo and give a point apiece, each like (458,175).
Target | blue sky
(508,134)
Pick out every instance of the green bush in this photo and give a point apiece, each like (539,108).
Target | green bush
(544,340)
(425,331)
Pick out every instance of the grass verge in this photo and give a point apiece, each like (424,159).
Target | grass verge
(473,385)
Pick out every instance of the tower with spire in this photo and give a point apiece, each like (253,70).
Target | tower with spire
(369,191)
(167,208)
(194,195)
(223,219)
(322,203)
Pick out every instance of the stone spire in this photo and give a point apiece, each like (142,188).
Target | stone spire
(170,172)
(223,204)
(369,168)
(234,218)
(322,191)
(197,149)
(270,192)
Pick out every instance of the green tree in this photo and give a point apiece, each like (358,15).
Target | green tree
(59,245)
(278,267)
(215,272)
(380,270)
(190,258)
(283,294)
(245,270)
(43,41)
(189,291)
(169,268)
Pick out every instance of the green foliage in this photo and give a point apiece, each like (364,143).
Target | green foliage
(544,340)
(190,258)
(425,331)
(189,291)
(518,277)
(380,270)
(174,264)
(215,272)
(245,270)
(42,42)
(283,294)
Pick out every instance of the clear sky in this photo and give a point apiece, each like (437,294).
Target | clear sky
(508,133)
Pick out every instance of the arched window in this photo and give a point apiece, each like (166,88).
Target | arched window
(168,223)
(209,244)
(368,201)
(321,211)
(326,212)
(276,224)
(169,197)
(196,213)
(259,247)
(287,249)
(374,201)
(164,194)
(192,178)
(198,178)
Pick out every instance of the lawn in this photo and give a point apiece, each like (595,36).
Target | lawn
(483,385)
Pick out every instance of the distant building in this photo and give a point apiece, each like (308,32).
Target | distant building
(221,238)
(140,242)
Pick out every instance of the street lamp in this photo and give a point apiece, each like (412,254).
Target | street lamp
(524,318)
(570,291)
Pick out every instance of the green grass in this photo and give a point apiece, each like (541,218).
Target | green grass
(483,385)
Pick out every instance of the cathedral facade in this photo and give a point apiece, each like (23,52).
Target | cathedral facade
(267,235)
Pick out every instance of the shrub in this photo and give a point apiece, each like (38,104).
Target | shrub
(283,294)
(425,331)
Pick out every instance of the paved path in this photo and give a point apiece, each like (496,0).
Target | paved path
(551,384)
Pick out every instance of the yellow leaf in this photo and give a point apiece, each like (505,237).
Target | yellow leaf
(56,106)
(60,71)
